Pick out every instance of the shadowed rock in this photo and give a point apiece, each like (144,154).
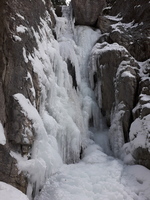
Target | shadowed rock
(86,12)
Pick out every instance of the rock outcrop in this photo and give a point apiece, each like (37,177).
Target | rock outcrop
(121,83)
(86,12)
(17,76)
(134,29)
(114,74)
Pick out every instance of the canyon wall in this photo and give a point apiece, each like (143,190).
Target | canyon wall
(18,21)
(118,74)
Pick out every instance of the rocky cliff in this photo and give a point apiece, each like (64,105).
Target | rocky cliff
(120,72)
(120,76)
(18,21)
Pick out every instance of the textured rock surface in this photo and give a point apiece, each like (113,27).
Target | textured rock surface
(115,75)
(17,76)
(120,82)
(138,14)
(86,12)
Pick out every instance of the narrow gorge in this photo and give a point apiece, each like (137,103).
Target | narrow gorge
(75,99)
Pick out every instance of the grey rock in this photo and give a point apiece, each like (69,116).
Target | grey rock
(13,79)
(134,36)
(107,64)
(115,83)
(142,157)
(103,24)
(86,12)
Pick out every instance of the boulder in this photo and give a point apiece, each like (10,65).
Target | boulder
(86,12)
(134,40)
(103,24)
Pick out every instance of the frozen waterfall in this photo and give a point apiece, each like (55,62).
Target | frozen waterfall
(69,122)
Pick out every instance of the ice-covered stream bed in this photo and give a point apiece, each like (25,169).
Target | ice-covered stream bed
(62,129)
(98,176)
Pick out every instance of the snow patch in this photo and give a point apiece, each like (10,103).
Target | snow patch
(2,135)
(17,38)
(127,74)
(25,55)
(8,192)
(21,29)
(20,16)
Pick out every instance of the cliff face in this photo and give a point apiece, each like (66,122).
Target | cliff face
(120,72)
(18,19)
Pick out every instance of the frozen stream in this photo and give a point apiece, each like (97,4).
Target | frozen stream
(98,176)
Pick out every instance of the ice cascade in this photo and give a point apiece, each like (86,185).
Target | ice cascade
(68,119)
(68,105)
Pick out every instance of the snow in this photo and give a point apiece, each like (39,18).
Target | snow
(99,48)
(139,133)
(2,135)
(61,124)
(17,38)
(20,16)
(24,55)
(45,158)
(145,98)
(21,29)
(127,74)
(8,192)
(67,2)
(114,18)
(98,176)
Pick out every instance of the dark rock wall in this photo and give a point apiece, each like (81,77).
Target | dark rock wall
(14,79)
(137,13)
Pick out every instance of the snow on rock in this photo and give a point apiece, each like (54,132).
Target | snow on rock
(139,137)
(59,101)
(45,157)
(127,74)
(2,135)
(17,38)
(20,16)
(8,192)
(21,29)
(61,124)
(137,177)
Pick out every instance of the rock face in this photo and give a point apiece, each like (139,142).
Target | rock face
(137,16)
(120,82)
(17,76)
(114,71)
(86,12)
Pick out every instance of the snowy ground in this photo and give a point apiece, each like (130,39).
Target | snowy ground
(98,177)
(7,192)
